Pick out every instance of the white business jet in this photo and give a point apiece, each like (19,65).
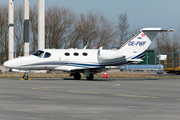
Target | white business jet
(87,61)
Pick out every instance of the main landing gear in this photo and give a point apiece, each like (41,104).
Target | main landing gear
(77,75)
(90,77)
(87,74)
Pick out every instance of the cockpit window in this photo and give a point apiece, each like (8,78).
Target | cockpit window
(38,53)
(47,55)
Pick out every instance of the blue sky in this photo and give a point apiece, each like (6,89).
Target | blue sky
(141,13)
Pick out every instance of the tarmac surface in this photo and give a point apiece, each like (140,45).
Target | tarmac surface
(100,99)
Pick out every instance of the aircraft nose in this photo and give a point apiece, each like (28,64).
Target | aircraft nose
(8,64)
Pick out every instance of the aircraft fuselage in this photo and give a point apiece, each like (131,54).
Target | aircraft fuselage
(67,59)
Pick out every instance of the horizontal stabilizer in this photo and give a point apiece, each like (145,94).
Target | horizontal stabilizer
(156,30)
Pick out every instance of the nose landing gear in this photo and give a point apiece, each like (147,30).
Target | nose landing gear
(25,77)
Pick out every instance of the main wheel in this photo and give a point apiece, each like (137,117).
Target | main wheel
(77,76)
(90,77)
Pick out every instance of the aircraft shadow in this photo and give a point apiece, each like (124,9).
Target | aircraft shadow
(83,79)
(109,79)
(88,80)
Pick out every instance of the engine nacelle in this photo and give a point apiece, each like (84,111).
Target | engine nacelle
(109,55)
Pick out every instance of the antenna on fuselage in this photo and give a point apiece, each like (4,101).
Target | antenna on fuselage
(85,46)
(101,48)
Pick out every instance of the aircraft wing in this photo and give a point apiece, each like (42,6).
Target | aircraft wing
(135,60)
(90,69)
(79,69)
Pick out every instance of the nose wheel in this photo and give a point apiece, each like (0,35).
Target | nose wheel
(25,77)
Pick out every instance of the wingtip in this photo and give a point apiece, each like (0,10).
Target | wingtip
(171,30)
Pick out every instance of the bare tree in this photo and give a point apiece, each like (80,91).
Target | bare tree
(73,36)
(123,28)
(106,33)
(59,21)
(65,29)
(33,18)
(167,42)
(87,28)
(94,30)
(3,33)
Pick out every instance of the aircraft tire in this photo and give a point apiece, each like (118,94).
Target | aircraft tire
(91,77)
(25,77)
(77,76)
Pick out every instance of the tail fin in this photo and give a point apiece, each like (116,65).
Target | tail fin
(134,48)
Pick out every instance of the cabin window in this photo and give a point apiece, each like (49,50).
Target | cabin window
(66,54)
(76,54)
(85,54)
(38,53)
(47,55)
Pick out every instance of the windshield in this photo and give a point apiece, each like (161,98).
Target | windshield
(38,53)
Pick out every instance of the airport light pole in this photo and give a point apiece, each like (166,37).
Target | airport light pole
(26,27)
(11,29)
(41,24)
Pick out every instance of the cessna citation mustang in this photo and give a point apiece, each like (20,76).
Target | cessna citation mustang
(87,61)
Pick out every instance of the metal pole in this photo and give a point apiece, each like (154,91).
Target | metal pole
(26,27)
(41,24)
(172,60)
(11,29)
(147,60)
(179,61)
(159,63)
(155,55)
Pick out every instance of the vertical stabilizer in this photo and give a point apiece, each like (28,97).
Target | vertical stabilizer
(134,48)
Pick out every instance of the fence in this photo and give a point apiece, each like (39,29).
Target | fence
(157,61)
(171,62)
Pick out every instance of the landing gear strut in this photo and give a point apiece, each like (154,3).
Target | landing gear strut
(90,77)
(77,76)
